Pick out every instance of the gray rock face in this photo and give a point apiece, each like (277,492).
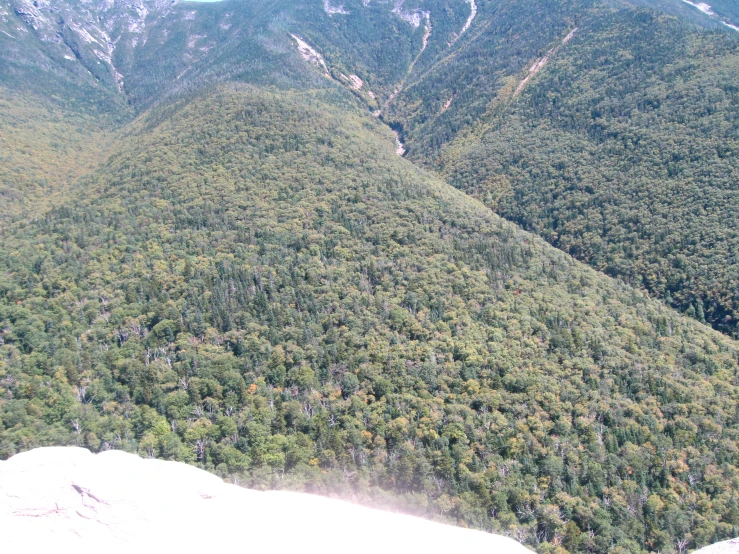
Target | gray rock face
(93,33)
(726,547)
(68,499)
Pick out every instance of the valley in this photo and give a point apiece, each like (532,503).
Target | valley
(471,261)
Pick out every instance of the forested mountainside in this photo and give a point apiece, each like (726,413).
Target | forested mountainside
(719,14)
(623,152)
(44,148)
(56,117)
(216,256)
(257,283)
(617,142)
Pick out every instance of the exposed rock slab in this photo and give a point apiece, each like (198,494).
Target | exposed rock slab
(726,547)
(59,499)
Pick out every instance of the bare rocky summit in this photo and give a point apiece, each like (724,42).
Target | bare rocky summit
(69,498)
(724,547)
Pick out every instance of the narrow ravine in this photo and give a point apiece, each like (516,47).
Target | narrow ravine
(400,149)
(467,24)
(311,55)
(539,64)
(708,10)
(426,35)
(424,44)
(399,146)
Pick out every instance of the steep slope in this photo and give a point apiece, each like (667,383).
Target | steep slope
(624,153)
(610,132)
(256,283)
(187,45)
(719,14)
(44,148)
(56,117)
(453,90)
(94,40)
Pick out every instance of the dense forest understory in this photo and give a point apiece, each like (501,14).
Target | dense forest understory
(246,277)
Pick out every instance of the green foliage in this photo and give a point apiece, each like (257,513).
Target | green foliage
(460,83)
(199,44)
(44,148)
(255,282)
(623,152)
(723,10)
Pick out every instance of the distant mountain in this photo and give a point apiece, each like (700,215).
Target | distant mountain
(87,41)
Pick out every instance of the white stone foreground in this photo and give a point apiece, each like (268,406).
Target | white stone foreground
(66,499)
(725,547)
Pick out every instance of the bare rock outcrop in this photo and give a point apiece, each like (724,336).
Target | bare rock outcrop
(68,499)
(725,547)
